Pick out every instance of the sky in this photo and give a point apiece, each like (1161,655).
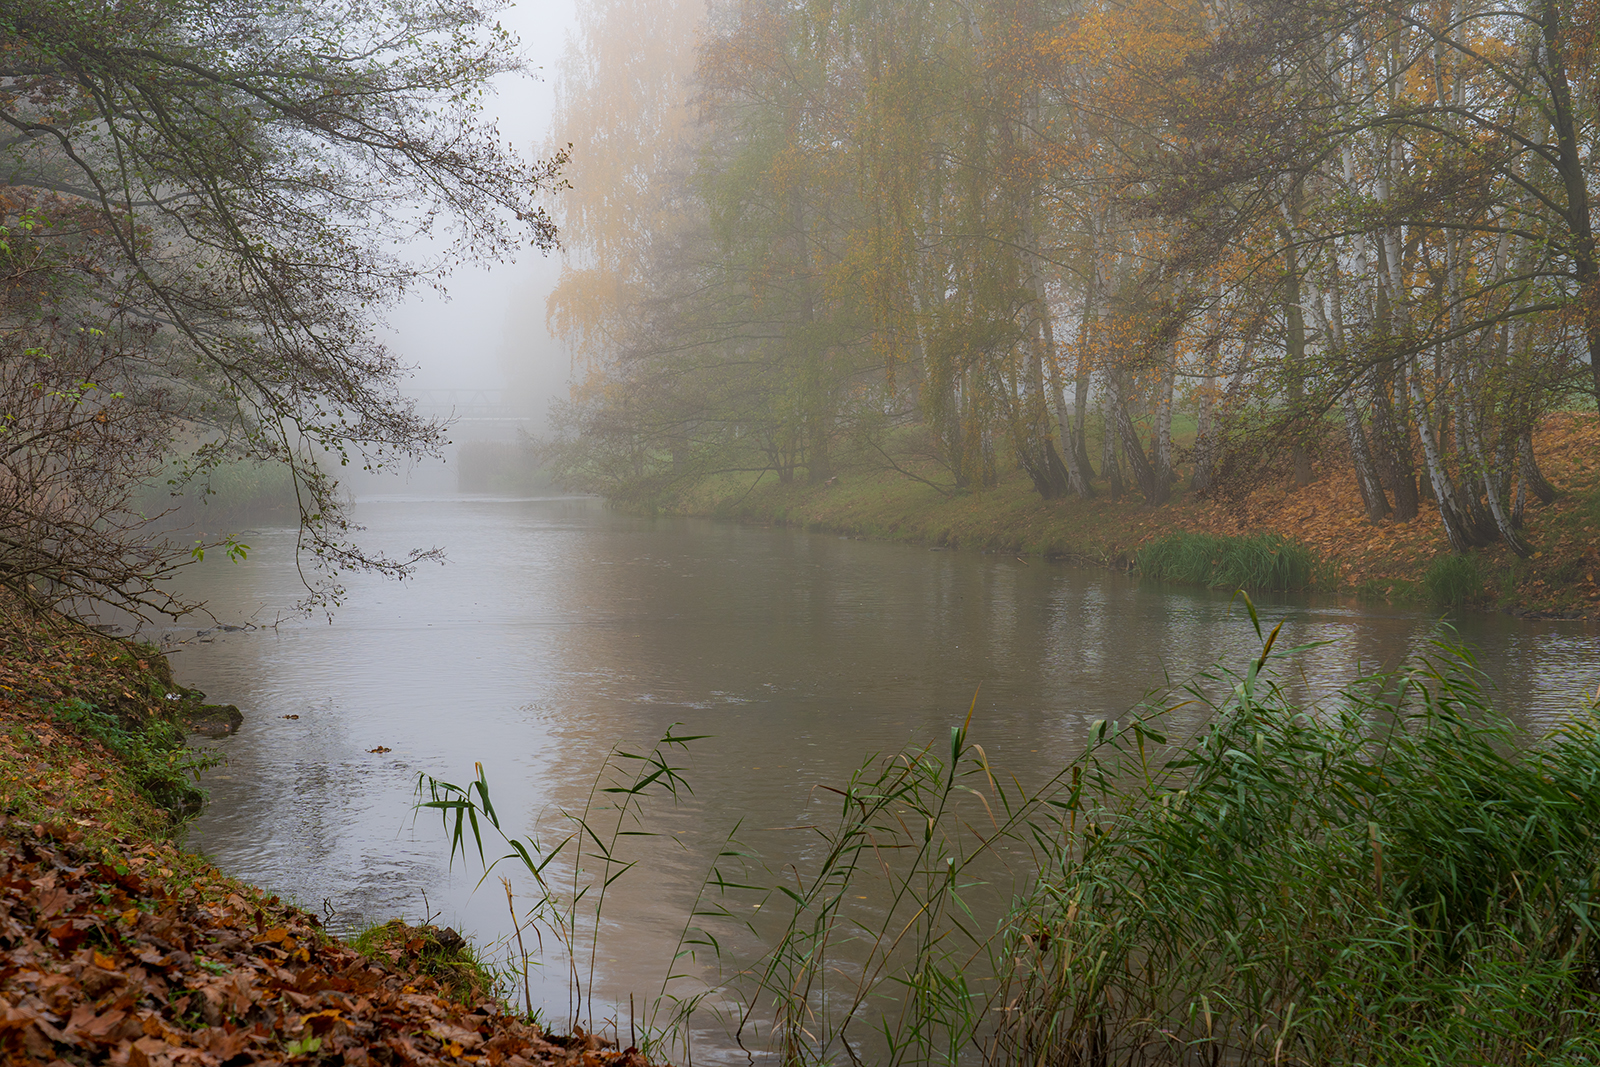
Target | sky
(490,332)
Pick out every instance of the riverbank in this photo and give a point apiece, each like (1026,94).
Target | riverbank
(118,945)
(1383,562)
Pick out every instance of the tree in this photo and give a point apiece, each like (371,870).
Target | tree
(211,195)
(1298,216)
(1402,174)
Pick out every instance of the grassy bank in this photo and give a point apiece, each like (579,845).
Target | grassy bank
(119,945)
(1388,561)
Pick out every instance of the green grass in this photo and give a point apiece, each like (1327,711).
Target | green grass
(158,763)
(441,954)
(1260,561)
(1453,581)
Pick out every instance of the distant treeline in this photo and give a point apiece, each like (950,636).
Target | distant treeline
(960,239)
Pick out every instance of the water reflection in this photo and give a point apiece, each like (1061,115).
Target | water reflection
(560,629)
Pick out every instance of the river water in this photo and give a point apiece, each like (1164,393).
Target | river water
(559,630)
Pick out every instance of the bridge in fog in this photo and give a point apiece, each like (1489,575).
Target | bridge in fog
(468,405)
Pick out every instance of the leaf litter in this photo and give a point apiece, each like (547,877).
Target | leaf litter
(106,962)
(118,947)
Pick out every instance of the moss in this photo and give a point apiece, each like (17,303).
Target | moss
(444,955)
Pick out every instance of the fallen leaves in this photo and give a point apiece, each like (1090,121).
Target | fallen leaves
(1328,516)
(116,947)
(101,964)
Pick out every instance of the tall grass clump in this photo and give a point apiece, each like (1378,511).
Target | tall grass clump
(1261,561)
(1381,881)
(1453,581)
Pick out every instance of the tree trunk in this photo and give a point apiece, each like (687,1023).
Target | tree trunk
(1030,421)
(1391,451)
(1502,523)
(1372,498)
(1079,472)
(1571,165)
(1204,445)
(1391,438)
(1161,445)
(1331,319)
(1068,471)
(1072,457)
(1457,524)
(1156,489)
(819,462)
(1110,406)
(1080,421)
(1528,469)
(1294,363)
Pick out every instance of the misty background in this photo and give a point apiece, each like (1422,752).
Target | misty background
(483,341)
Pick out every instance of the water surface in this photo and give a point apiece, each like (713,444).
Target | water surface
(560,629)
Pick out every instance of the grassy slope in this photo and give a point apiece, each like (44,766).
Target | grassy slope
(1386,561)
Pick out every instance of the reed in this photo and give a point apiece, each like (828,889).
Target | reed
(590,841)
(1381,879)
(1453,581)
(1260,561)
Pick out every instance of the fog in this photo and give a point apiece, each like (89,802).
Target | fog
(487,331)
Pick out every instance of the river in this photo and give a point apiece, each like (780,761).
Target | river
(560,629)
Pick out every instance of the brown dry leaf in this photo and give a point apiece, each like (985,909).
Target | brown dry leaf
(142,993)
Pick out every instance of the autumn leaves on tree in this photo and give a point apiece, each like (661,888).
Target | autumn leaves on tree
(1037,235)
